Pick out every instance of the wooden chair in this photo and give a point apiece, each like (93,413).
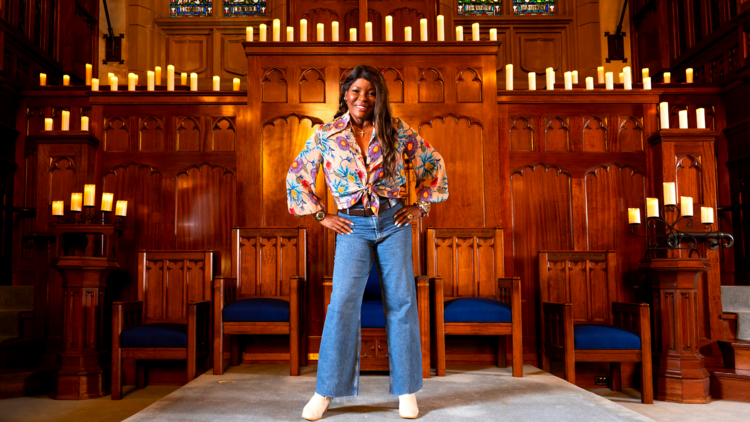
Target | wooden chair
(265,294)
(587,324)
(171,319)
(471,296)
(374,349)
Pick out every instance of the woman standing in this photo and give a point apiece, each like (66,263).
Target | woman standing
(362,154)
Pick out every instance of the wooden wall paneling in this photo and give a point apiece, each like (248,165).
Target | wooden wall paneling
(595,134)
(191,53)
(468,86)
(188,134)
(151,134)
(233,63)
(536,51)
(324,16)
(394,80)
(557,134)
(116,135)
(406,16)
(312,87)
(431,85)
(521,133)
(275,86)
(630,136)
(223,135)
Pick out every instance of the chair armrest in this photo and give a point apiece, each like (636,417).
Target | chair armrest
(557,325)
(125,315)
(296,307)
(631,316)
(327,292)
(728,316)
(199,319)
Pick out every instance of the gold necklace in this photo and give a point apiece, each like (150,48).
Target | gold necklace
(361,130)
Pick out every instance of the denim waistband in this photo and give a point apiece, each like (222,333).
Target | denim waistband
(361,205)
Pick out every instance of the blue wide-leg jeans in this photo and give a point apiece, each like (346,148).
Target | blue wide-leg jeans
(375,239)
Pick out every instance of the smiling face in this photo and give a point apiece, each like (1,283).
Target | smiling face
(360,98)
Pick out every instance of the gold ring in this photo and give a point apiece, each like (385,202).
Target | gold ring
(409,217)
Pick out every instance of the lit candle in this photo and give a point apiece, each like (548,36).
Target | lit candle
(121,209)
(368,31)
(683,119)
(290,33)
(646,83)
(157,75)
(150,80)
(622,78)
(193,81)
(634,214)
(262,32)
(575,76)
(644,73)
(670,194)
(236,84)
(700,117)
(249,34)
(459,33)
(389,28)
(407,33)
(493,34)
(532,81)
(686,206)
(628,78)
(131,82)
(94,84)
(183,78)
(276,30)
(217,83)
(590,83)
(48,124)
(65,120)
(664,115)
(89,71)
(475,31)
(107,201)
(75,201)
(423,29)
(42,79)
(441,28)
(353,34)
(89,193)
(335,31)
(509,77)
(707,215)
(85,123)
(303,29)
(58,208)
(66,80)
(170,78)
(550,79)
(652,207)
(568,80)
(113,83)
(609,81)
(110,75)
(321,32)
(689,75)
(667,77)
(600,74)
(136,79)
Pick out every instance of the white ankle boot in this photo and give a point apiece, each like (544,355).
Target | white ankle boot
(407,406)
(315,408)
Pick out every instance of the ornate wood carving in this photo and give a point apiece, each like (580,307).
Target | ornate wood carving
(540,50)
(556,134)
(150,135)
(468,86)
(521,133)
(630,134)
(394,80)
(223,134)
(233,60)
(116,136)
(190,53)
(34,121)
(595,136)
(188,134)
(431,86)
(312,86)
(275,86)
(689,177)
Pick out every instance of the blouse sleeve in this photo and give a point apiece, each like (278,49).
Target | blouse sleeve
(300,180)
(429,166)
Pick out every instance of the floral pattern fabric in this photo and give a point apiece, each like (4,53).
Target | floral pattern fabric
(334,147)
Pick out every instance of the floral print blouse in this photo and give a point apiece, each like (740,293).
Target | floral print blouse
(333,145)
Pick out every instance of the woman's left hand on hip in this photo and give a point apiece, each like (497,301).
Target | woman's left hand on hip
(406,215)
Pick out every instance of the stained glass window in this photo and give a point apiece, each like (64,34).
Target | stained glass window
(534,7)
(191,8)
(244,8)
(480,8)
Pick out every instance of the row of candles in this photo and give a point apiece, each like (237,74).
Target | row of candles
(570,78)
(670,198)
(87,199)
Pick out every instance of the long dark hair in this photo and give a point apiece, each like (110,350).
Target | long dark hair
(385,133)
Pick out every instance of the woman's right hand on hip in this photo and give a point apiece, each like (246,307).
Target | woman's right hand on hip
(338,224)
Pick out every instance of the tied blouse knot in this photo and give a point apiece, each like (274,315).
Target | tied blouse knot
(333,145)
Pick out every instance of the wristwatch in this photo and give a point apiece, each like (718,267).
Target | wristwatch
(423,206)
(320,215)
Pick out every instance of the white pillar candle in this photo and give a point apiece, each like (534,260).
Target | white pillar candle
(389,28)
(646,83)
(76,198)
(459,33)
(609,81)
(628,78)
(150,80)
(217,83)
(290,33)
(193,81)
(66,80)
(321,32)
(303,30)
(652,207)
(407,33)
(276,30)
(493,34)
(423,30)
(183,78)
(136,79)
(170,78)
(689,75)
(353,34)
(335,31)
(262,32)
(575,76)
(107,201)
(509,77)
(368,31)
(131,82)
(664,115)
(121,209)
(634,215)
(670,193)
(667,77)
(89,70)
(94,84)
(42,79)
(58,208)
(109,77)
(249,34)
(113,83)
(590,83)
(707,215)
(600,74)
(65,122)
(532,81)
(700,117)
(568,80)
(236,84)
(157,75)
(686,206)
(683,119)
(644,73)
(48,124)
(550,79)
(475,31)
(622,78)
(85,123)
(441,28)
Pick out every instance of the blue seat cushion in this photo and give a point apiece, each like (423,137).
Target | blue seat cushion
(372,288)
(155,335)
(257,309)
(604,337)
(476,309)
(372,315)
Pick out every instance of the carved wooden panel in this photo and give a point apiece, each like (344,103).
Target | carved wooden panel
(316,16)
(34,121)
(468,86)
(150,135)
(394,80)
(521,133)
(188,136)
(171,280)
(689,177)
(595,137)
(404,17)
(351,20)
(233,59)
(190,53)
(62,176)
(431,86)
(266,261)
(223,134)
(116,135)
(312,86)
(467,265)
(275,86)
(539,50)
(630,133)
(556,134)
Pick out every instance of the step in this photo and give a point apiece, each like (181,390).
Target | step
(736,354)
